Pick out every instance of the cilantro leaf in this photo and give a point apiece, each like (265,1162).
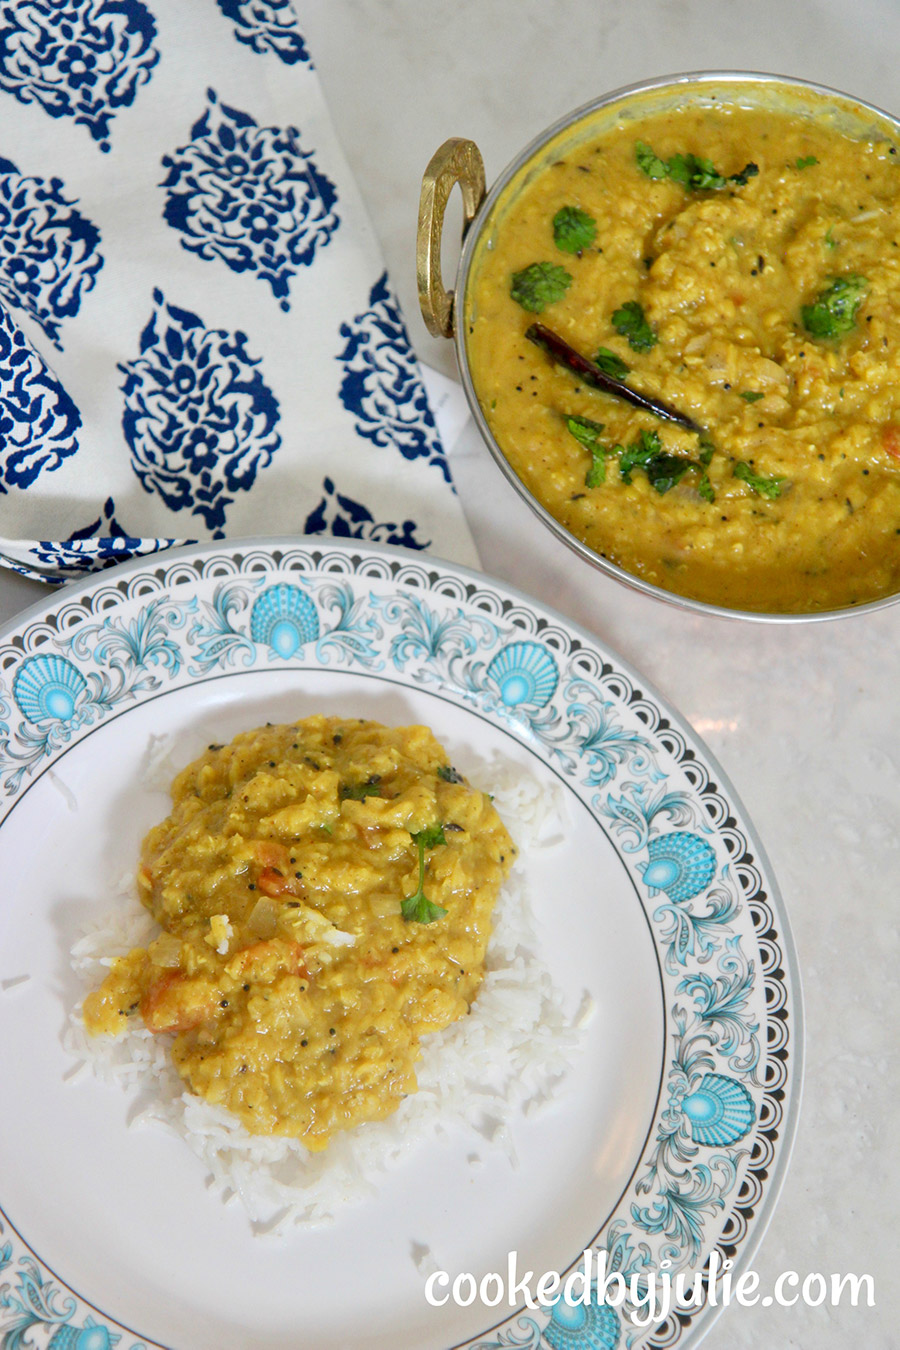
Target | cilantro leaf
(691,171)
(540,285)
(751,395)
(758,483)
(358,792)
(743,178)
(418,908)
(587,433)
(695,174)
(630,323)
(648,162)
(430,837)
(596,474)
(806,161)
(573,229)
(639,453)
(610,363)
(663,470)
(833,312)
(584,430)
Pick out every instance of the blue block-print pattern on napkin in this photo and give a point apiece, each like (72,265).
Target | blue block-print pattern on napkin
(84,59)
(49,252)
(250,196)
(38,420)
(268,25)
(382,387)
(346,518)
(100,544)
(199,418)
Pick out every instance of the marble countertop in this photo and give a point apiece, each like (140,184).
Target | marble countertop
(802,718)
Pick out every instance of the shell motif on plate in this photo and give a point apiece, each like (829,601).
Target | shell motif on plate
(582,1327)
(681,864)
(89,1337)
(720,1111)
(284,619)
(47,688)
(524,673)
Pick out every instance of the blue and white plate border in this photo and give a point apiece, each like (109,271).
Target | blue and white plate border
(719,1146)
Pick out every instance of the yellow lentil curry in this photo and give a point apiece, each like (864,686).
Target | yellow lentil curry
(325,892)
(743,266)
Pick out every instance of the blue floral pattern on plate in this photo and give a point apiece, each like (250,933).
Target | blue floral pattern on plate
(250,196)
(284,619)
(199,419)
(381,385)
(49,252)
(36,1303)
(268,26)
(710,1171)
(84,59)
(582,1328)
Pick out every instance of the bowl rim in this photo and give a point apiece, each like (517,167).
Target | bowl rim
(470,246)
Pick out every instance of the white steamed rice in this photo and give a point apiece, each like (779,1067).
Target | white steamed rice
(504,1060)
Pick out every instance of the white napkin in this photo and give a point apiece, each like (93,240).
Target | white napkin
(197,335)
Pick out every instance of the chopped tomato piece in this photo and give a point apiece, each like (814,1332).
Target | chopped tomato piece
(890,439)
(268,958)
(269,853)
(176,1002)
(272,881)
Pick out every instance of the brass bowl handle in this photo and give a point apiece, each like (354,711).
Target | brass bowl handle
(457,161)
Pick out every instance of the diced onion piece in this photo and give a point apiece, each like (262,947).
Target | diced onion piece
(263,920)
(338,938)
(165,951)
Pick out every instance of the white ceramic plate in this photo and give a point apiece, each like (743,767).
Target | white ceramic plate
(671,1134)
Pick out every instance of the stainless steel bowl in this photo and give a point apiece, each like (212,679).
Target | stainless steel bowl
(459,162)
